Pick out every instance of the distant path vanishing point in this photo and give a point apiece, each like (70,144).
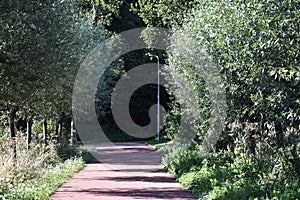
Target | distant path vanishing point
(128,171)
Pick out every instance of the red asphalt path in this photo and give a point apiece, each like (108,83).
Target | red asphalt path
(123,171)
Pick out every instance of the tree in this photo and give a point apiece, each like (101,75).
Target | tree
(42,47)
(163,13)
(256,47)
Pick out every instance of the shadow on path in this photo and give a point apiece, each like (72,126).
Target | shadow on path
(123,171)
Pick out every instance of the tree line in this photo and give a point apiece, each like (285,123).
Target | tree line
(42,46)
(255,47)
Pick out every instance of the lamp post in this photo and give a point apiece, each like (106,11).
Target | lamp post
(158,94)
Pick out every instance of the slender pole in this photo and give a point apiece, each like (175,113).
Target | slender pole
(158,99)
(158,95)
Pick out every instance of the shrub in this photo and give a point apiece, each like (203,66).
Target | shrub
(66,151)
(36,173)
(228,175)
(42,187)
(255,47)
(37,126)
(179,160)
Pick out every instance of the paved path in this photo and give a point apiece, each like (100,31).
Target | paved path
(125,171)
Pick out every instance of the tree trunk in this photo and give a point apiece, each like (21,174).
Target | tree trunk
(60,124)
(45,131)
(73,133)
(12,132)
(29,132)
(11,121)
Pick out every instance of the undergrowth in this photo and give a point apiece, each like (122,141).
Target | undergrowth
(44,185)
(233,175)
(37,173)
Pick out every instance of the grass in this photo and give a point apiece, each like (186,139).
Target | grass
(38,172)
(45,186)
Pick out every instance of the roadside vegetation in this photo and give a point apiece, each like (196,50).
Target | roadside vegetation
(254,46)
(38,172)
(42,44)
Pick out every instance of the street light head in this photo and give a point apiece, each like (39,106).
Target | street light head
(150,55)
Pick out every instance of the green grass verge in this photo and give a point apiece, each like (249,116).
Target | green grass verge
(45,186)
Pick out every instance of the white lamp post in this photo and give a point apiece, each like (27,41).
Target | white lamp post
(158,94)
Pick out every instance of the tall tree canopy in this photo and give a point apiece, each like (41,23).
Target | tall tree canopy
(42,46)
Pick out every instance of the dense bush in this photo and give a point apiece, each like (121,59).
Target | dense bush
(179,160)
(254,45)
(229,175)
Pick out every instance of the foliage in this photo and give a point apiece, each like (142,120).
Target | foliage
(255,46)
(163,13)
(37,127)
(114,15)
(28,163)
(258,100)
(37,172)
(44,186)
(105,88)
(103,11)
(66,151)
(180,160)
(228,175)
(41,52)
